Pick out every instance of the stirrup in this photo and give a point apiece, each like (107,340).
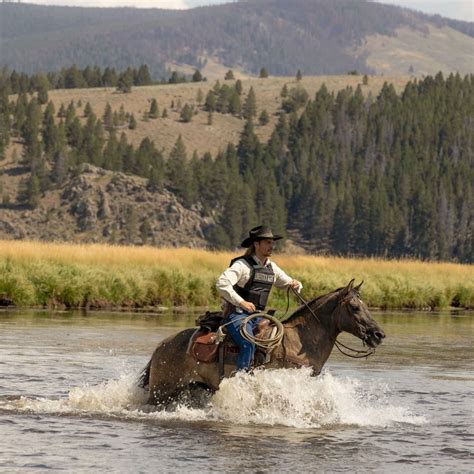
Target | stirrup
(220,335)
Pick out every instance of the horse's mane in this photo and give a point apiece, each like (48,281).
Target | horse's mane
(315,304)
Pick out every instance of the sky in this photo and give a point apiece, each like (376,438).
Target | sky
(457,9)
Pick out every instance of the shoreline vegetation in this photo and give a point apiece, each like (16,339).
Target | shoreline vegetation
(97,276)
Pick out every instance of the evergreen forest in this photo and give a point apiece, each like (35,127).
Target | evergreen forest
(345,174)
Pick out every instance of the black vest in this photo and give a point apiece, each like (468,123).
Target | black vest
(257,289)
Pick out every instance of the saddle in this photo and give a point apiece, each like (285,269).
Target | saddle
(205,342)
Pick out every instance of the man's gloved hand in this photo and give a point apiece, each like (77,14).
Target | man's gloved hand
(296,285)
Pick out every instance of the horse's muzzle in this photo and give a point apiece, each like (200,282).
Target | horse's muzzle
(374,337)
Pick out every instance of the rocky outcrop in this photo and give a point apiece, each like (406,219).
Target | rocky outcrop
(102,206)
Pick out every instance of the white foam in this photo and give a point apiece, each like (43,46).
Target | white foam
(289,397)
(293,398)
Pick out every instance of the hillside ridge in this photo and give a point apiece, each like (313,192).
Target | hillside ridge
(96,205)
(317,36)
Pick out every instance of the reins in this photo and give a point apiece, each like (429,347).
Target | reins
(359,354)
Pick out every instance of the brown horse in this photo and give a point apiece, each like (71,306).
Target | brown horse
(309,337)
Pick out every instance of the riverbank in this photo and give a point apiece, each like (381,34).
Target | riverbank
(105,276)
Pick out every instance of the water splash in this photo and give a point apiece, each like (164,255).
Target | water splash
(288,397)
(293,398)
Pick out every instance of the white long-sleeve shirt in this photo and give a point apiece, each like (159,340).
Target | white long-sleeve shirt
(239,273)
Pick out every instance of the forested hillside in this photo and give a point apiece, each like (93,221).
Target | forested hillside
(317,36)
(347,174)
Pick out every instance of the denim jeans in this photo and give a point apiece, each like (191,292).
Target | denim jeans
(247,349)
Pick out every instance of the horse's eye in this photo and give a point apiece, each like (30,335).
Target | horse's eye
(354,306)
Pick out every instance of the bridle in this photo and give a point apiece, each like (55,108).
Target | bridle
(356,354)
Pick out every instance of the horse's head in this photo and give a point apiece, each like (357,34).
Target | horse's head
(355,318)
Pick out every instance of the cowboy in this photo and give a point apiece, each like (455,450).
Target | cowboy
(246,285)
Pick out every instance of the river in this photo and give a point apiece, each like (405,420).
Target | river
(68,402)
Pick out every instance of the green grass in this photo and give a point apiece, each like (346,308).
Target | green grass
(101,276)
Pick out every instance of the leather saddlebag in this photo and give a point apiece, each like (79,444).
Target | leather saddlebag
(204,347)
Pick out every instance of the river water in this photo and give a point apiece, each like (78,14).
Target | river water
(68,402)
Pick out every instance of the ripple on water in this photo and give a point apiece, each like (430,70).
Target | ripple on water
(287,420)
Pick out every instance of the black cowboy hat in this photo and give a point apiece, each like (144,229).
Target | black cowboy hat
(259,233)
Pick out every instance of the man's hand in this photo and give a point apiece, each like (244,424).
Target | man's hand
(296,285)
(248,306)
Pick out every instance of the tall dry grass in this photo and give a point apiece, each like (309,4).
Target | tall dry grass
(96,275)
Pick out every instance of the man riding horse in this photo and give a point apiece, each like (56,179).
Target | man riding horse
(310,333)
(245,287)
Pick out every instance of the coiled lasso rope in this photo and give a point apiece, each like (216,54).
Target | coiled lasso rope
(268,344)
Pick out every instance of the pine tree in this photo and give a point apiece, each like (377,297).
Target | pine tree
(176,168)
(153,113)
(210,104)
(263,73)
(250,105)
(122,116)
(223,99)
(132,123)
(235,106)
(238,86)
(29,192)
(41,86)
(229,75)
(31,125)
(62,111)
(108,118)
(299,75)
(73,78)
(264,118)
(197,76)
(110,153)
(74,133)
(248,148)
(60,167)
(131,225)
(125,81)
(109,79)
(157,175)
(88,110)
(49,130)
(70,114)
(143,76)
(186,113)
(4,137)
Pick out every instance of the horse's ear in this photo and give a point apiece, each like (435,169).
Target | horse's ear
(357,288)
(345,291)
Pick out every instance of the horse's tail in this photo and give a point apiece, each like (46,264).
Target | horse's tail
(143,379)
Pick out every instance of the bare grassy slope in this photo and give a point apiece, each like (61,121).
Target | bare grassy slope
(423,53)
(197,134)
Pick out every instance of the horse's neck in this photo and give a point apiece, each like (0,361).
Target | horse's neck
(309,341)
